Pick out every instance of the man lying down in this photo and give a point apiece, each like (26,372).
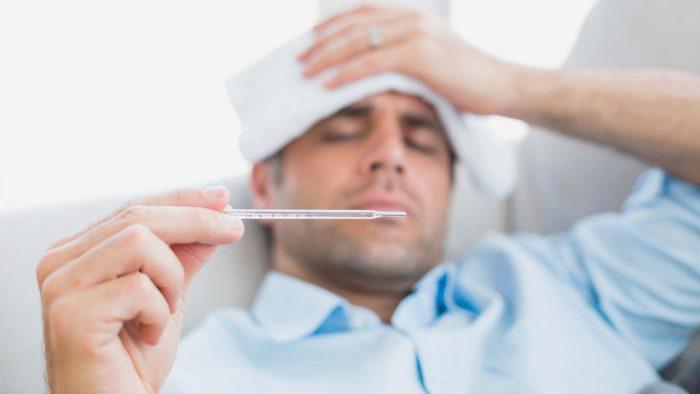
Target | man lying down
(371,306)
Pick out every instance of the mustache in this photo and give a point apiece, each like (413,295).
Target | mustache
(387,182)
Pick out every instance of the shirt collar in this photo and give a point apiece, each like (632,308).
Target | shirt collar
(290,308)
(432,296)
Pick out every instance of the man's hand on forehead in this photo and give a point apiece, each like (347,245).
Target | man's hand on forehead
(371,40)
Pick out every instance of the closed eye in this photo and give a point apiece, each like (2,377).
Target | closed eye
(343,129)
(423,140)
(332,136)
(429,149)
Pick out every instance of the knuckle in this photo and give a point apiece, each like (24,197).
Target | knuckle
(141,283)
(160,312)
(198,216)
(44,266)
(49,289)
(132,213)
(136,235)
(61,313)
(199,194)
(186,194)
(124,206)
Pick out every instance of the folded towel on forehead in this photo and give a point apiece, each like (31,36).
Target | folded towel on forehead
(276,104)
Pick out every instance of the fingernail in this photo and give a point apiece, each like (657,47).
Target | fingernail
(215,192)
(233,222)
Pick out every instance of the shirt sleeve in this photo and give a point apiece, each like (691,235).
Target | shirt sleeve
(640,268)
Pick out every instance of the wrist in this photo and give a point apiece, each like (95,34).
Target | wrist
(528,91)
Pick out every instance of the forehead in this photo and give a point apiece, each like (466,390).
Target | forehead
(397,101)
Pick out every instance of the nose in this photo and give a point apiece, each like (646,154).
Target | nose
(386,150)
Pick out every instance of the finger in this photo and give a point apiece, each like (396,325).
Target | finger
(192,258)
(97,314)
(349,44)
(172,224)
(175,225)
(363,12)
(345,28)
(366,64)
(133,249)
(354,12)
(213,198)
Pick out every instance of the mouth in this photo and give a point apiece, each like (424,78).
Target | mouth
(379,203)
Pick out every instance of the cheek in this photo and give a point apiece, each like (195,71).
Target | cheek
(434,186)
(312,182)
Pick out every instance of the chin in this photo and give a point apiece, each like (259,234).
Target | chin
(384,245)
(377,230)
(389,256)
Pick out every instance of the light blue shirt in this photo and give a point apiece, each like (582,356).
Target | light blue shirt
(597,309)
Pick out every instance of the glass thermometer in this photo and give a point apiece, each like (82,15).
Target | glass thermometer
(310,213)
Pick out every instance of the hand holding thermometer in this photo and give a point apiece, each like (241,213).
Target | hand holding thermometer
(310,213)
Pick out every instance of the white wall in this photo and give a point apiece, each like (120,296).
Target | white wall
(106,98)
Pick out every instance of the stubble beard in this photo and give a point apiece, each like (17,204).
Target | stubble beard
(360,263)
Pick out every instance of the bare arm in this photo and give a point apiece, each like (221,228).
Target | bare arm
(651,114)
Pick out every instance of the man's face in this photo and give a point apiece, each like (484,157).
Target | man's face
(386,152)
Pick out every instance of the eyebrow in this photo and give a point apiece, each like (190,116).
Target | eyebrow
(423,121)
(354,111)
(411,119)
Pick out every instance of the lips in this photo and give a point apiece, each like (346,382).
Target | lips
(384,204)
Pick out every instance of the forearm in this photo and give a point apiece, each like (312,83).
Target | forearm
(651,114)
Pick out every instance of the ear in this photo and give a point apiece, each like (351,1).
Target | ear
(261,185)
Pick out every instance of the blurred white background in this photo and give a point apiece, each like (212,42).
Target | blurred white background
(110,98)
